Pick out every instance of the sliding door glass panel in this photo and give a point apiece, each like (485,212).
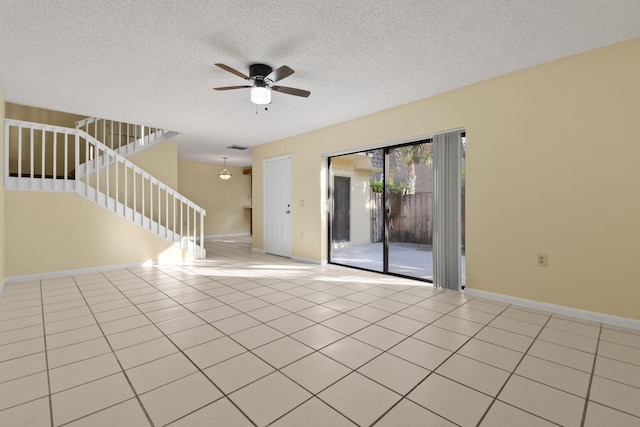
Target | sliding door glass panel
(356,215)
(409,198)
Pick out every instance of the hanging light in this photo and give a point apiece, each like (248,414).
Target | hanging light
(224,173)
(260,94)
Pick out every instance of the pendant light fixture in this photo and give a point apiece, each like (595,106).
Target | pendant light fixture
(224,173)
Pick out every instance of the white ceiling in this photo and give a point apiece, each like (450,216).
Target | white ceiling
(152,61)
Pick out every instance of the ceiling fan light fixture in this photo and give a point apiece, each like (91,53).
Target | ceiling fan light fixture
(224,173)
(260,95)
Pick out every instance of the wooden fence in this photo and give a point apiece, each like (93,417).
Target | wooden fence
(410,217)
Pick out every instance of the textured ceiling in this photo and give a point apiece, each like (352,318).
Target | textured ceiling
(152,61)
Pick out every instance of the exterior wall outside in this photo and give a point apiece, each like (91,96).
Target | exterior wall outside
(534,141)
(226,201)
(360,200)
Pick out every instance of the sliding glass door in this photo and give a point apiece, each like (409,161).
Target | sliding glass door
(409,197)
(385,205)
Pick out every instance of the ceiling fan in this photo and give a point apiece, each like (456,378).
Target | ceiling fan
(261,80)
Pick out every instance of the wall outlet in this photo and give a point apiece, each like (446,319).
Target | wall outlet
(543,260)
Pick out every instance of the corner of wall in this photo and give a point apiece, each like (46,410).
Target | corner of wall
(2,237)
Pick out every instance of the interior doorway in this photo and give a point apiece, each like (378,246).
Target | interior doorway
(277,206)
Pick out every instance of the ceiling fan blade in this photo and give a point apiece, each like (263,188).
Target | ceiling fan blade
(279,74)
(230,87)
(233,71)
(291,91)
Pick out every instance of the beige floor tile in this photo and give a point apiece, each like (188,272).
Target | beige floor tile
(343,305)
(21,322)
(461,326)
(295,304)
(86,399)
(362,298)
(69,324)
(290,324)
(73,337)
(360,399)
(318,313)
(401,324)
(122,325)
(574,327)
(394,373)
(569,339)
(368,313)
(619,352)
(552,374)
(125,414)
(282,352)
(516,326)
(238,371)
(316,372)
(436,394)
(477,375)
(167,314)
(615,395)
(134,336)
(257,336)
(434,335)
(526,315)
(23,389)
(502,414)
(156,305)
(504,338)
(179,324)
(160,372)
(146,352)
(212,352)
(623,337)
(491,354)
(34,413)
(408,414)
(120,313)
(266,314)
(82,372)
(110,305)
(203,304)
(388,305)
(351,352)
(618,371)
(313,413)
(317,336)
(195,336)
(76,352)
(379,337)
(468,313)
(220,413)
(21,334)
(493,307)
(23,366)
(544,401)
(236,323)
(218,313)
(179,398)
(346,324)
(269,398)
(7,315)
(420,314)
(423,354)
(599,415)
(562,355)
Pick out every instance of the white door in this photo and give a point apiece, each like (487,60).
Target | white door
(277,206)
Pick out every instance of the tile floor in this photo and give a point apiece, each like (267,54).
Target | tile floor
(247,339)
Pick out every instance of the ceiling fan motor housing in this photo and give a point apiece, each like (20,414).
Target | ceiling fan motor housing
(259,70)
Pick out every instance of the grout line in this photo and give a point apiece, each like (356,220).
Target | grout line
(46,356)
(593,370)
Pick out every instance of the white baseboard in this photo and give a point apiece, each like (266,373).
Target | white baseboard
(309,260)
(79,271)
(257,250)
(2,287)
(220,236)
(560,309)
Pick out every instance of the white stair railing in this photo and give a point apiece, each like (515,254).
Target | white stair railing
(124,138)
(41,157)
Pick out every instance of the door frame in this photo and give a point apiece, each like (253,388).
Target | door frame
(265,183)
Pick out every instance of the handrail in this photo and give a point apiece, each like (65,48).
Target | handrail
(41,157)
(111,133)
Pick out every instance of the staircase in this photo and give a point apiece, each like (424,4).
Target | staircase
(40,157)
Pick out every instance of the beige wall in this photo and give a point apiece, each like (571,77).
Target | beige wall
(41,115)
(2,201)
(160,161)
(224,200)
(52,232)
(552,167)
